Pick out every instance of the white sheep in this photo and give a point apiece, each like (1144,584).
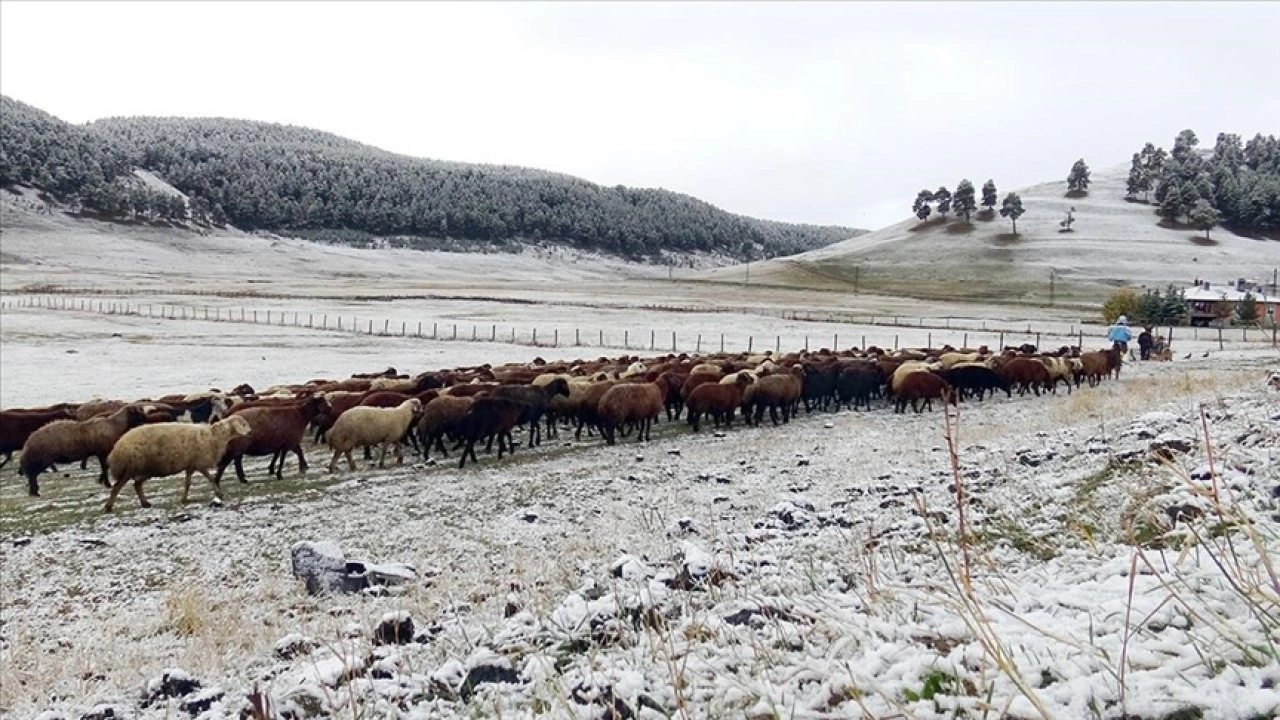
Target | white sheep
(365,425)
(168,448)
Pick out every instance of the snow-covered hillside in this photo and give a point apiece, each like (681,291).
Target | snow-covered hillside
(1113,241)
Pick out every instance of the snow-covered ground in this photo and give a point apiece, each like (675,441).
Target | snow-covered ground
(810,570)
(134,356)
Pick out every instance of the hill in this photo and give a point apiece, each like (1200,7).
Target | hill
(287,179)
(1113,242)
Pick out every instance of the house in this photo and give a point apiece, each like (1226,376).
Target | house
(1209,302)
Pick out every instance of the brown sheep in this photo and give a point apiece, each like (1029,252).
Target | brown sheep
(339,402)
(276,430)
(639,403)
(588,409)
(780,391)
(440,417)
(17,425)
(71,440)
(1026,373)
(719,400)
(922,385)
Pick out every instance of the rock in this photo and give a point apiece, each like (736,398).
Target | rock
(673,451)
(387,574)
(103,711)
(201,701)
(19,542)
(530,517)
(1185,513)
(172,683)
(1166,445)
(394,629)
(293,646)
(802,462)
(745,615)
(92,541)
(588,693)
(486,674)
(322,566)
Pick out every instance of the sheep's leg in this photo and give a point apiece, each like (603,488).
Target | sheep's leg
(350,463)
(217,486)
(115,491)
(470,449)
(334,462)
(7,457)
(302,461)
(102,476)
(186,486)
(142,497)
(382,457)
(240,469)
(84,463)
(222,466)
(399,453)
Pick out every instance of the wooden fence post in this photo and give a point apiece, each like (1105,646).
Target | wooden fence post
(386,325)
(673,341)
(929,341)
(535,336)
(698,347)
(493,332)
(1219,337)
(721,342)
(601,343)
(626,338)
(1001,347)
(577,337)
(895,341)
(751,340)
(473,332)
(555,338)
(965,342)
(435,327)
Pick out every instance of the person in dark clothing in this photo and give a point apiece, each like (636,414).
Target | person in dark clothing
(1144,343)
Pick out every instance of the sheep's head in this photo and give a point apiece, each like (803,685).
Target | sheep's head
(136,414)
(236,426)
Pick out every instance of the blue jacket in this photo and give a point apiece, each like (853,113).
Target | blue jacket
(1120,333)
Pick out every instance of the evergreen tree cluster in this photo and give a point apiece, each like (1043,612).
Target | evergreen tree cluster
(1237,185)
(963,201)
(285,178)
(75,165)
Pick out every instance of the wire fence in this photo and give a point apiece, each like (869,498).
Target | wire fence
(886,332)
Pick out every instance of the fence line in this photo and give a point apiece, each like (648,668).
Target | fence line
(959,336)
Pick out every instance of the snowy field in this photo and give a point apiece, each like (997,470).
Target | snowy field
(135,356)
(813,570)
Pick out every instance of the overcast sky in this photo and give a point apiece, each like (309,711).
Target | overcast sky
(823,112)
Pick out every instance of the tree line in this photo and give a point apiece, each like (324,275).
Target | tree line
(1237,185)
(963,202)
(292,179)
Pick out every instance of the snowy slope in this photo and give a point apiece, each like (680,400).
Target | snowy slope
(1113,241)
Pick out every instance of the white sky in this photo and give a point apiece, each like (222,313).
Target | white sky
(822,112)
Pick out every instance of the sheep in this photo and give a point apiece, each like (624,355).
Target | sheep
(439,418)
(717,400)
(856,384)
(72,440)
(339,401)
(97,407)
(707,369)
(387,399)
(1026,373)
(587,410)
(489,417)
(17,425)
(640,403)
(773,392)
(969,378)
(372,426)
(276,430)
(168,448)
(1059,371)
(536,401)
(922,385)
(819,386)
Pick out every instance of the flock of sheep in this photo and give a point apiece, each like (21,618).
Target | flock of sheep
(207,432)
